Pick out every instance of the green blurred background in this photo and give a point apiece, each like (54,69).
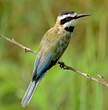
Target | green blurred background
(27,21)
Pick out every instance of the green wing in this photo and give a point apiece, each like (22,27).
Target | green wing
(51,48)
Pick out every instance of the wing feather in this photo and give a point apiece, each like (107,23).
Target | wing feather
(51,48)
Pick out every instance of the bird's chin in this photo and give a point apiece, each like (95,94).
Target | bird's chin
(73,22)
(70,24)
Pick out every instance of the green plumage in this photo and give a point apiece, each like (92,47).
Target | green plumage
(52,46)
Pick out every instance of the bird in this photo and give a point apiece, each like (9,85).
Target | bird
(52,46)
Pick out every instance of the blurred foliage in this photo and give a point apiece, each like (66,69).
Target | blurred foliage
(27,21)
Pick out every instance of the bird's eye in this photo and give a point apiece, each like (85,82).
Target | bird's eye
(68,18)
(63,21)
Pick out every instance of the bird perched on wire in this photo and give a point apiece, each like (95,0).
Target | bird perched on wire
(52,47)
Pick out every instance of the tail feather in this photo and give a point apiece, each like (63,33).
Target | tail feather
(29,93)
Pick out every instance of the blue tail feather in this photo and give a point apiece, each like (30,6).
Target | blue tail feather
(29,93)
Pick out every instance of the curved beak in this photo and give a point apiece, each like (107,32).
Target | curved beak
(81,15)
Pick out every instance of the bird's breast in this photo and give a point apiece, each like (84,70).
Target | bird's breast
(55,41)
(63,43)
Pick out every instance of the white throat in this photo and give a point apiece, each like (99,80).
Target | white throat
(70,23)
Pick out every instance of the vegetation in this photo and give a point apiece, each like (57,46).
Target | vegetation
(27,21)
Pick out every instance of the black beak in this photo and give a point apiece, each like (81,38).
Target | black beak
(81,15)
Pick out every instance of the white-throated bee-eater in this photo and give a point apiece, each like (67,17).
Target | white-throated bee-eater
(52,46)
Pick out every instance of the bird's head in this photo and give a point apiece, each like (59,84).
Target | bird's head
(68,19)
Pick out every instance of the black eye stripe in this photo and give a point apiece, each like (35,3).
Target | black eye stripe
(63,21)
